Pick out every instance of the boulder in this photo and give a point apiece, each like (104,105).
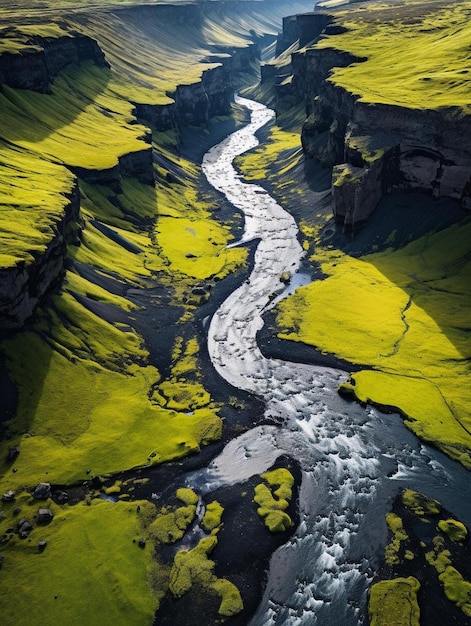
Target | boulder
(42,491)
(45,516)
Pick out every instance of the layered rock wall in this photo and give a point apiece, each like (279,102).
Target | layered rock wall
(36,66)
(23,285)
(373,147)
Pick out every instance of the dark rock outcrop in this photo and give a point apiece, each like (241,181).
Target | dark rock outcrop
(372,148)
(37,65)
(23,285)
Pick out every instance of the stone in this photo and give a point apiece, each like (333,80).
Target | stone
(13,452)
(45,516)
(142,543)
(42,546)
(61,497)
(24,528)
(8,496)
(42,491)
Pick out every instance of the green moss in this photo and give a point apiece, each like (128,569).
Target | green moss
(192,565)
(455,529)
(29,215)
(273,502)
(212,516)
(457,589)
(392,552)
(418,63)
(186,495)
(195,567)
(91,561)
(418,347)
(231,602)
(419,503)
(394,603)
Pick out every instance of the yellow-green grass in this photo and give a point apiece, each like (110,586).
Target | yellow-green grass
(17,39)
(405,314)
(29,213)
(281,151)
(191,241)
(81,124)
(394,602)
(420,60)
(91,571)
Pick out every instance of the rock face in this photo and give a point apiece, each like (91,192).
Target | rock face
(23,285)
(37,66)
(371,147)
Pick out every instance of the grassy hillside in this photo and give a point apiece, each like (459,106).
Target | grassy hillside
(417,56)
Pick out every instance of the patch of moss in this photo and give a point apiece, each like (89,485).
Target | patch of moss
(392,552)
(170,523)
(195,566)
(231,601)
(394,603)
(455,529)
(274,500)
(419,503)
(212,516)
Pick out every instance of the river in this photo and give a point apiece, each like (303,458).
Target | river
(353,459)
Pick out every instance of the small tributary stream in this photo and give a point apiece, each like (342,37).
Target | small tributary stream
(353,459)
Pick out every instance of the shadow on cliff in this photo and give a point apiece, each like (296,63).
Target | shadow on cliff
(29,117)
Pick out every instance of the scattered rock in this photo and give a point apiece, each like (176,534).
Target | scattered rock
(61,497)
(8,496)
(42,491)
(13,452)
(24,528)
(45,516)
(42,546)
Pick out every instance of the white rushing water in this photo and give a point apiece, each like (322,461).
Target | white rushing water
(353,459)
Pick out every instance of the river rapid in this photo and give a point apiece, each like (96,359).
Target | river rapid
(353,459)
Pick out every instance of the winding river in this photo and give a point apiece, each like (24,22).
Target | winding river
(353,459)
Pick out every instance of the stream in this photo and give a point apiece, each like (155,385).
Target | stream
(353,459)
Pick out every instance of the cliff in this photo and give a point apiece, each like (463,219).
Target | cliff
(23,284)
(37,64)
(372,147)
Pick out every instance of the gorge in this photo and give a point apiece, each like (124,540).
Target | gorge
(164,451)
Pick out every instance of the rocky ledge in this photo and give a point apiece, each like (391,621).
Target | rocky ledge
(372,148)
(23,285)
(44,57)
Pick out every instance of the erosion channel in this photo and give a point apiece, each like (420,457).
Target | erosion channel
(354,460)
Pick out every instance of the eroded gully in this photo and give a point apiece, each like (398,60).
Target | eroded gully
(353,459)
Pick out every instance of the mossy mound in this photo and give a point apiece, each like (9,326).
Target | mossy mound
(394,602)
(274,499)
(428,547)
